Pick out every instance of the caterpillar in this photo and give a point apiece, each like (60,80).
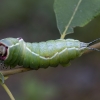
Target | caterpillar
(15,51)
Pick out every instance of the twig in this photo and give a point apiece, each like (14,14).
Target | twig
(20,70)
(97,45)
(15,71)
(8,91)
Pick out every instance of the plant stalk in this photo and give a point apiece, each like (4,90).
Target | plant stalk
(7,90)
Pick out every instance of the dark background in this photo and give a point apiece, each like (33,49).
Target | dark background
(35,21)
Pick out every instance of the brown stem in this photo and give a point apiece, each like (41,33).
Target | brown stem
(15,71)
(97,45)
(20,70)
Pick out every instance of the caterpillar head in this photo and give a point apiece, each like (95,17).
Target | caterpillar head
(6,45)
(3,52)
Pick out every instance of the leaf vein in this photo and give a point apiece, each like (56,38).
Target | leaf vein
(66,28)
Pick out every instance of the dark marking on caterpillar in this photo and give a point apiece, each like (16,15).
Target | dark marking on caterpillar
(15,51)
(2,65)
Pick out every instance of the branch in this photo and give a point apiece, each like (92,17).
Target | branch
(97,45)
(8,91)
(20,70)
(15,71)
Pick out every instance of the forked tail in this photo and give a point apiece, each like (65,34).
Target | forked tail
(90,48)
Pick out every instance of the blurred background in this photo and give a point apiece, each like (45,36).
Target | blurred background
(34,21)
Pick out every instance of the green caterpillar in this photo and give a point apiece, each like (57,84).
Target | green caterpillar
(14,51)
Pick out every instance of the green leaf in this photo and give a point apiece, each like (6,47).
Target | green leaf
(72,13)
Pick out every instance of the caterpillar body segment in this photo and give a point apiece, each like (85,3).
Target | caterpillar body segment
(42,54)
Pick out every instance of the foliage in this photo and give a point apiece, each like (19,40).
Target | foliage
(72,13)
